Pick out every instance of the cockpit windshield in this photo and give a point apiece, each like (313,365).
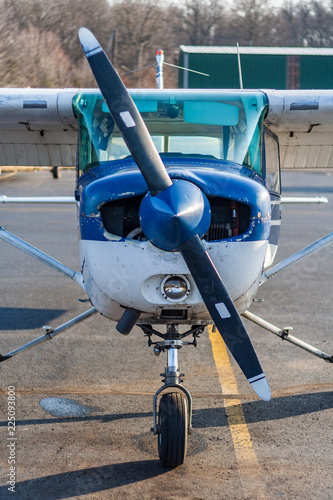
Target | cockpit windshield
(223,125)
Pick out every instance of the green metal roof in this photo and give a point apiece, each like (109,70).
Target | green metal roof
(278,51)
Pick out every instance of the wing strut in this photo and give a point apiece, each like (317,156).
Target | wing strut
(284,335)
(305,252)
(38,199)
(41,256)
(49,334)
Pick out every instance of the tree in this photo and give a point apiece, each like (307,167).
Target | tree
(40,46)
(138,25)
(305,24)
(320,31)
(33,56)
(252,22)
(196,24)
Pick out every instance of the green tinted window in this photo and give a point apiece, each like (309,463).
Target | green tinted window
(215,124)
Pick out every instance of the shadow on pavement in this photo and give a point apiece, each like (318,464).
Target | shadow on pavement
(22,318)
(254,411)
(262,411)
(85,481)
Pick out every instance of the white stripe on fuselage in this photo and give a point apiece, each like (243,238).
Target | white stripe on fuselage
(130,272)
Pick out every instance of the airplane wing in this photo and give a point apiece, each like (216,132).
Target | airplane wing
(37,127)
(303,122)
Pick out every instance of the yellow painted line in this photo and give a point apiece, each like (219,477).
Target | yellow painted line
(248,465)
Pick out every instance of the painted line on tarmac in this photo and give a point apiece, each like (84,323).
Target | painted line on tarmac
(248,466)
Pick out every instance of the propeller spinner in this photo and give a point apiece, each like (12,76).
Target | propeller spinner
(175,215)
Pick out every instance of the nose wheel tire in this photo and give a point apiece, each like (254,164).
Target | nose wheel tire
(173,429)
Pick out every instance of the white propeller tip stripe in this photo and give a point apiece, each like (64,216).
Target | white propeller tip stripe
(261,387)
(89,43)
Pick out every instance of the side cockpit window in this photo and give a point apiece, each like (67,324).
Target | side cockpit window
(271,161)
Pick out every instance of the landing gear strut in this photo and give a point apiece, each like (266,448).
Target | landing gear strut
(173,421)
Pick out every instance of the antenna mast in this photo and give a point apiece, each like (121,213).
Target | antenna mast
(159,68)
(239,68)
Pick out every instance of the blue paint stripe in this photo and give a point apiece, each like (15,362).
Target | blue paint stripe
(109,182)
(91,228)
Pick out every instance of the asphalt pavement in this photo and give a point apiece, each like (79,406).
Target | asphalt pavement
(83,402)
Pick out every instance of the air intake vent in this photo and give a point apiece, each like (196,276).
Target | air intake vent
(229,218)
(174,314)
(121,218)
(218,231)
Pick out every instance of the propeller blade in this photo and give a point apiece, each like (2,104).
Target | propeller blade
(126,115)
(184,230)
(224,314)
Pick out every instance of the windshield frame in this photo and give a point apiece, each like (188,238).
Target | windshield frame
(236,134)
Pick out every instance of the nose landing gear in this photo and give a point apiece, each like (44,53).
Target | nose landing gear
(173,421)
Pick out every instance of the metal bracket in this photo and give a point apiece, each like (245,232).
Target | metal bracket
(284,335)
(195,330)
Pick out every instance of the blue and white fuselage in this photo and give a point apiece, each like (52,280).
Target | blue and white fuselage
(121,268)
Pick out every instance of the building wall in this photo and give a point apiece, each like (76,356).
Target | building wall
(316,72)
(258,71)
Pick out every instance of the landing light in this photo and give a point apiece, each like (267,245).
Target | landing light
(175,288)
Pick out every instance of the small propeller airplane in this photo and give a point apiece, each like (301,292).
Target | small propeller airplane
(178,196)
